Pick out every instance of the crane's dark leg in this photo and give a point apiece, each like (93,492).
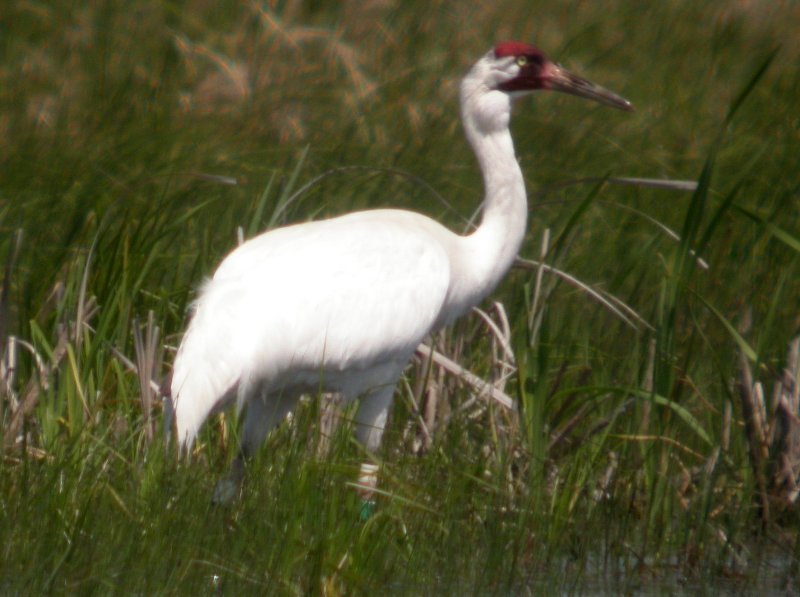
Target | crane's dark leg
(371,418)
(373,412)
(262,414)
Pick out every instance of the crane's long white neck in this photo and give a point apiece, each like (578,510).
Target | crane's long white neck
(491,249)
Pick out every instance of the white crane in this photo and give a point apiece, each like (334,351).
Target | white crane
(339,305)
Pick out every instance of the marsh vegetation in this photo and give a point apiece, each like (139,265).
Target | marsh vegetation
(647,339)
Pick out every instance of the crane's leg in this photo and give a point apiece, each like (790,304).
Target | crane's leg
(373,412)
(262,414)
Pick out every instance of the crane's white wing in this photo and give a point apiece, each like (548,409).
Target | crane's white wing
(346,295)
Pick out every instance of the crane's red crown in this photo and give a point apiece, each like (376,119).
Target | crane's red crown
(532,66)
(516,48)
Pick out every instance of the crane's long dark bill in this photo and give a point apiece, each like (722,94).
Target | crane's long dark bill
(560,79)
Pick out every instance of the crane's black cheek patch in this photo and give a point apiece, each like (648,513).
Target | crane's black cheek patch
(530,77)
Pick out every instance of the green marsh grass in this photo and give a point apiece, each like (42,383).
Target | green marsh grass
(138,142)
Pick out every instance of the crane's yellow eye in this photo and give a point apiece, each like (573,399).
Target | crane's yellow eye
(522,60)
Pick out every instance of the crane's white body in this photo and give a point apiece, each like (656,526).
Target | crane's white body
(340,305)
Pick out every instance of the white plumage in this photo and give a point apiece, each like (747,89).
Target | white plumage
(339,305)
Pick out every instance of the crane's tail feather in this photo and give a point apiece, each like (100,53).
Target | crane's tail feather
(165,391)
